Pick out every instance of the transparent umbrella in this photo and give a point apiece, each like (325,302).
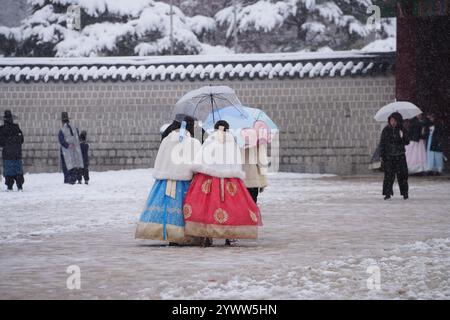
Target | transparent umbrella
(202,102)
(408,110)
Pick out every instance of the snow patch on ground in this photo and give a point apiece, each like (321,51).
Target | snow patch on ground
(420,270)
(47,206)
(321,233)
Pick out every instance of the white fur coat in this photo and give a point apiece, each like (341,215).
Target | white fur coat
(219,158)
(174,159)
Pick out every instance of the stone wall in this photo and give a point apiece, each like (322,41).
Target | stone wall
(326,123)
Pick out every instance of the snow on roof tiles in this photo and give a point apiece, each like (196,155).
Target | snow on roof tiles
(240,66)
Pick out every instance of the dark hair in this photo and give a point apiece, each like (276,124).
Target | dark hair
(436,118)
(222,123)
(190,123)
(83,135)
(398,117)
(175,125)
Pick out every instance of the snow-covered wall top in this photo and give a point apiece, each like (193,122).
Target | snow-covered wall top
(239,66)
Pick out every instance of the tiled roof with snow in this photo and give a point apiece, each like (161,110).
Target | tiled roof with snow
(164,68)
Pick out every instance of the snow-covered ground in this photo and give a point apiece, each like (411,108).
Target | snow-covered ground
(323,237)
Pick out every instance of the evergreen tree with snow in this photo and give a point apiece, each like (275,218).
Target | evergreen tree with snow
(293,25)
(109,27)
(142,27)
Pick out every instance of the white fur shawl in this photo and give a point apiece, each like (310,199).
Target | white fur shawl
(174,159)
(218,158)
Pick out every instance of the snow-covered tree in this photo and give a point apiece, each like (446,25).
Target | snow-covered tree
(110,27)
(385,36)
(293,25)
(142,27)
(338,24)
(203,27)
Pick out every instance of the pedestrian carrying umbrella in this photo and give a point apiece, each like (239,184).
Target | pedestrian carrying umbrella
(407,109)
(200,103)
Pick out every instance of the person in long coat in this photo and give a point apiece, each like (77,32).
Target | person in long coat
(11,140)
(435,156)
(255,165)
(162,217)
(392,153)
(70,151)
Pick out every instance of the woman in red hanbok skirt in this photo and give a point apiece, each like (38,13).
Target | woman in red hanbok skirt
(218,205)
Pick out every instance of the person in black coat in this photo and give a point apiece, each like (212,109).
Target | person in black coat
(392,153)
(435,146)
(84,172)
(11,140)
(418,129)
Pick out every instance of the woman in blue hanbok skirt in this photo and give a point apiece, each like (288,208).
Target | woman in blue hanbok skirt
(435,156)
(162,217)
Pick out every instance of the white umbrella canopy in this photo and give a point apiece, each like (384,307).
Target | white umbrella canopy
(407,109)
(201,102)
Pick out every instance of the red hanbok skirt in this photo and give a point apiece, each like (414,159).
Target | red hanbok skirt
(220,208)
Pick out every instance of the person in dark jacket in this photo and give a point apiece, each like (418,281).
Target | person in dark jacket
(435,156)
(11,140)
(84,172)
(416,155)
(392,153)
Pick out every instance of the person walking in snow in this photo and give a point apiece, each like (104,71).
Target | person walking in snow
(162,218)
(392,153)
(11,141)
(218,205)
(84,172)
(435,141)
(70,150)
(255,165)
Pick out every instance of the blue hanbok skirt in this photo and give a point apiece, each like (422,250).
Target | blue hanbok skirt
(435,160)
(162,218)
(12,168)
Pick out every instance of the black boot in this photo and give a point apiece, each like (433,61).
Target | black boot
(206,242)
(387,197)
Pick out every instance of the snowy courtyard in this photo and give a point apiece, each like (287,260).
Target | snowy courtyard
(323,237)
